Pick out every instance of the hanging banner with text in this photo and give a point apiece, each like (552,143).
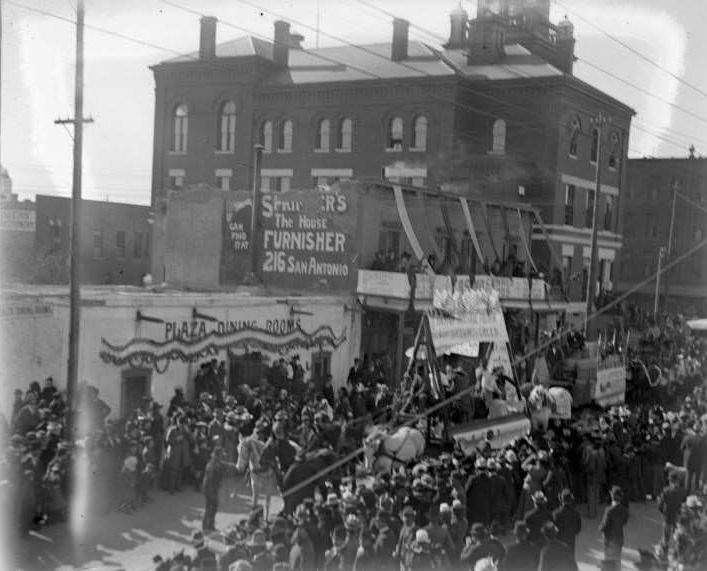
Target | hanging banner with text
(236,239)
(449,332)
(307,240)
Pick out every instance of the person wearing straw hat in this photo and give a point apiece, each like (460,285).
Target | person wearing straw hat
(259,555)
(420,555)
(204,558)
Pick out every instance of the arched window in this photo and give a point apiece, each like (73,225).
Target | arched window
(395,134)
(180,126)
(345,134)
(227,127)
(575,130)
(613,151)
(323,135)
(285,142)
(594,154)
(419,128)
(266,136)
(499,137)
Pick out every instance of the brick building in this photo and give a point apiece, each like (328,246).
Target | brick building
(17,224)
(495,113)
(647,213)
(115,241)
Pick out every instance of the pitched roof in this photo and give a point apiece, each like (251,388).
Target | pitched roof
(372,61)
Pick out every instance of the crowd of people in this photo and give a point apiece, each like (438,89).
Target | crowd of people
(512,508)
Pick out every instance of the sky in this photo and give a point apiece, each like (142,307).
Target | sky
(38,72)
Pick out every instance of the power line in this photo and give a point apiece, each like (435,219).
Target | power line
(99,29)
(633,50)
(556,337)
(642,90)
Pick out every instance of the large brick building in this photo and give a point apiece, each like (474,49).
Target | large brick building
(647,214)
(494,113)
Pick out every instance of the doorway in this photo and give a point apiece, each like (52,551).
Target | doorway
(136,387)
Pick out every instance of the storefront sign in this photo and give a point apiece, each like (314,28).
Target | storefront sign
(9,310)
(499,433)
(449,332)
(610,386)
(196,329)
(17,220)
(307,240)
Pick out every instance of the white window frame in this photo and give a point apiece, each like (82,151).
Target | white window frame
(323,136)
(223,178)
(179,176)
(227,128)
(419,133)
(179,130)
(266,136)
(498,137)
(286,136)
(345,136)
(396,126)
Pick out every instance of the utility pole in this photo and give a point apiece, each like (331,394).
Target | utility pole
(75,232)
(656,300)
(599,123)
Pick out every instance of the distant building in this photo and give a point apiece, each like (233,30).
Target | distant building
(647,213)
(495,113)
(115,241)
(17,226)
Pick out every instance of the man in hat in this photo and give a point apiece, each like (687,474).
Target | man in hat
(213,475)
(204,558)
(567,520)
(234,550)
(216,429)
(537,517)
(521,555)
(385,539)
(612,527)
(555,555)
(478,495)
(407,534)
(669,504)
(259,556)
(477,546)
(420,557)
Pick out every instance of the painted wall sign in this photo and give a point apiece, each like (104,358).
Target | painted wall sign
(18,220)
(307,240)
(25,310)
(195,329)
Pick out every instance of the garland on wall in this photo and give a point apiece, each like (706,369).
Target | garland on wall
(141,352)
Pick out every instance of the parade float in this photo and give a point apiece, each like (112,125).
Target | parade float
(466,327)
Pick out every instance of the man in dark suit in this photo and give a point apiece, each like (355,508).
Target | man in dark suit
(536,518)
(612,527)
(555,556)
(567,520)
(478,495)
(522,555)
(669,504)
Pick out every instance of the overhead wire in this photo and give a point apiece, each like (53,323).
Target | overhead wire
(555,337)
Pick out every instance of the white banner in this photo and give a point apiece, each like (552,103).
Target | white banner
(500,432)
(512,288)
(478,327)
(610,386)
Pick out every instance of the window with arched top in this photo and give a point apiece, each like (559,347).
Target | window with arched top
(419,133)
(285,139)
(227,127)
(613,151)
(498,144)
(266,136)
(180,127)
(575,130)
(395,134)
(345,134)
(323,132)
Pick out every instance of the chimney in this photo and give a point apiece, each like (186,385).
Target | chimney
(207,38)
(486,42)
(281,47)
(399,49)
(457,35)
(296,41)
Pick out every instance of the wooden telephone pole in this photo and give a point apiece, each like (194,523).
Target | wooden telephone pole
(75,232)
(599,123)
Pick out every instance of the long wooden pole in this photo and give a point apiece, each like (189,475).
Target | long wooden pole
(75,236)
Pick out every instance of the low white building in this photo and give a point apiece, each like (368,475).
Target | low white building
(136,342)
